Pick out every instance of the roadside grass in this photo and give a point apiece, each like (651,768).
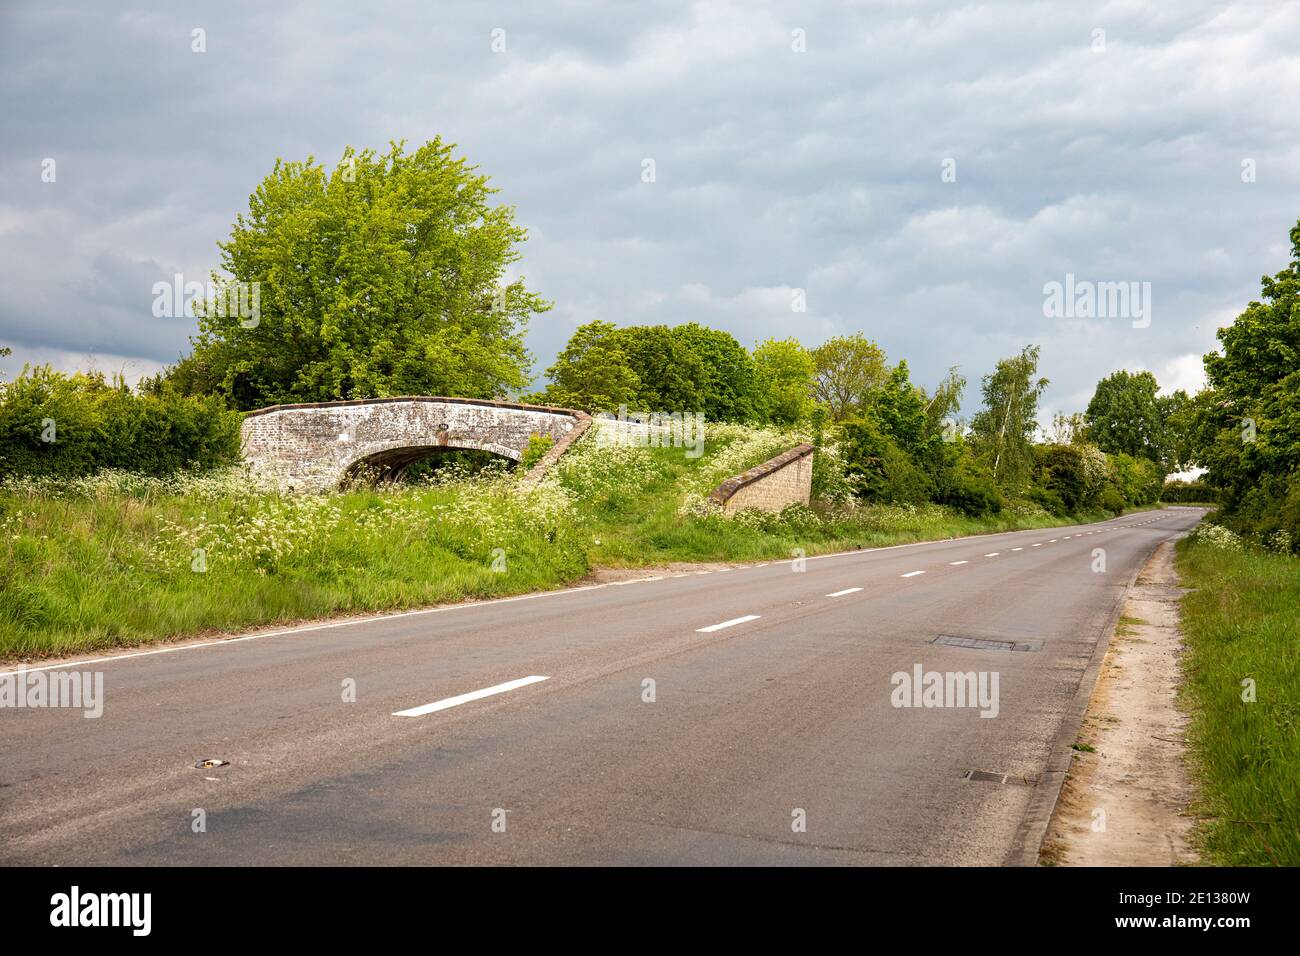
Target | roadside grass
(119,559)
(1126,624)
(1242,621)
(88,567)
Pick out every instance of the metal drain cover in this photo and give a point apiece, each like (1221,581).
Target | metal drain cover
(980,644)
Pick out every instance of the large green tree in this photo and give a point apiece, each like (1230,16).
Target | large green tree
(656,368)
(1124,415)
(730,386)
(673,376)
(784,374)
(1003,429)
(850,370)
(1248,420)
(386,276)
(592,373)
(899,407)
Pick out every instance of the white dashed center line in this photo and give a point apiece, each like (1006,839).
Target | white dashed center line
(992,554)
(844,592)
(1039,545)
(1017,549)
(958,562)
(911,574)
(472,695)
(732,623)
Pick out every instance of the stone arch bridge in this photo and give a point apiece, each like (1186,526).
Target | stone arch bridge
(315,447)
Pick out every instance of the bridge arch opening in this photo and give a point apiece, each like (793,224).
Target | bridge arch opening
(413,463)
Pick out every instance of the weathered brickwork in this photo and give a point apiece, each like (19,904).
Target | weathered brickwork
(776,484)
(314,447)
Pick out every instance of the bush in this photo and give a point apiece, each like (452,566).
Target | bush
(1138,480)
(879,469)
(1270,512)
(71,425)
(538,446)
(1110,500)
(1059,470)
(970,489)
(1050,501)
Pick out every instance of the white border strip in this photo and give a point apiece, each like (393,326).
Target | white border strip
(472,695)
(732,623)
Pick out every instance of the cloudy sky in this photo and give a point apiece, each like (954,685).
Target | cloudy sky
(1105,140)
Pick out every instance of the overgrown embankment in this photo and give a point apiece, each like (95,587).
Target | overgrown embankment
(120,559)
(1242,632)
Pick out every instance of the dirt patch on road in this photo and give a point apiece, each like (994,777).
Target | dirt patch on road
(1124,802)
(675,569)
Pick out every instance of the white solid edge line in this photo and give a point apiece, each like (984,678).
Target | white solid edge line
(844,592)
(472,695)
(911,574)
(734,621)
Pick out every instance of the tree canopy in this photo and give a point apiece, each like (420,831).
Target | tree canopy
(1246,425)
(850,369)
(386,276)
(655,368)
(1003,429)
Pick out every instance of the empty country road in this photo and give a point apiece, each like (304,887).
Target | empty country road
(526,730)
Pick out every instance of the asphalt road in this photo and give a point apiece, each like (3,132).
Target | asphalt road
(786,717)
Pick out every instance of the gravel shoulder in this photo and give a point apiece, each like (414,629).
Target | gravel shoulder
(1125,800)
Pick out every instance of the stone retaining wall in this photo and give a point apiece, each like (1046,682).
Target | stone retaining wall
(777,483)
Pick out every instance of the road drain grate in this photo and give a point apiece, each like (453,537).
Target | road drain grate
(979,644)
(1006,779)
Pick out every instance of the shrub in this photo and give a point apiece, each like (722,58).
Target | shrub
(1138,480)
(71,425)
(1270,511)
(1050,501)
(970,489)
(538,446)
(1059,470)
(879,469)
(1217,536)
(1110,499)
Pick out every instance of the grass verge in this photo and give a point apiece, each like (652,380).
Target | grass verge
(1242,624)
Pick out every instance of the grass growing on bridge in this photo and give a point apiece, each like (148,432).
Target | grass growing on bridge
(115,560)
(1241,622)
